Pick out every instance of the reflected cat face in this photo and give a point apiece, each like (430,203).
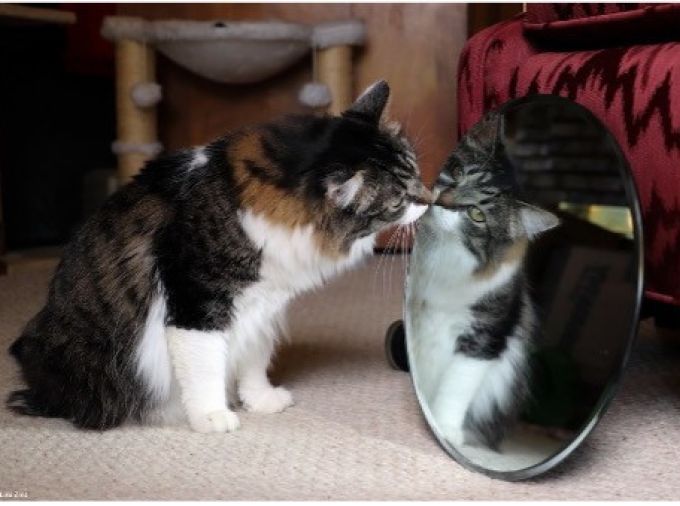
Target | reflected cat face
(475,197)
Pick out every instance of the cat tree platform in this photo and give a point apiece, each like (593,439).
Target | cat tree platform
(222,51)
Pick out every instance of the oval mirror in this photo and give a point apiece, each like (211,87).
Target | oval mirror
(524,287)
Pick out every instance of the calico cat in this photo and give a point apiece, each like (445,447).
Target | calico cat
(473,317)
(171,296)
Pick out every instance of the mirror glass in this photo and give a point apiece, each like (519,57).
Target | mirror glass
(523,287)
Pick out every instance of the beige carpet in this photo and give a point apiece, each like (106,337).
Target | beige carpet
(355,432)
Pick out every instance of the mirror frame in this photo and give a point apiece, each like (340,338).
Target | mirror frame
(614,381)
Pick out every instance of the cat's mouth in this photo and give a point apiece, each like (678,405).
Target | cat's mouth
(421,196)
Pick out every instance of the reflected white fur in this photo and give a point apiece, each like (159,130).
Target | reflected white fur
(441,292)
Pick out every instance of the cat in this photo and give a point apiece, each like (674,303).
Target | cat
(171,297)
(473,319)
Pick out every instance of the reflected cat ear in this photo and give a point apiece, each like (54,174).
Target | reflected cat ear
(371,104)
(487,133)
(536,220)
(343,194)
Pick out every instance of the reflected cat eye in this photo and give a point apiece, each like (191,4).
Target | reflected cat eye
(476,214)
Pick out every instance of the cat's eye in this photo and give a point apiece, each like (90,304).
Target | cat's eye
(476,214)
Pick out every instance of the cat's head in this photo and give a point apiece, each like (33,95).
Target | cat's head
(372,177)
(476,198)
(351,175)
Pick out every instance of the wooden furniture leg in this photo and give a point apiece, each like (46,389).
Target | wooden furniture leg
(137,128)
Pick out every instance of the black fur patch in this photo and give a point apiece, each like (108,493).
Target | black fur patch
(496,318)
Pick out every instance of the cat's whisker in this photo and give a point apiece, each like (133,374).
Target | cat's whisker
(418,136)
(381,262)
(405,238)
(402,242)
(407,123)
(396,245)
(412,236)
(404,254)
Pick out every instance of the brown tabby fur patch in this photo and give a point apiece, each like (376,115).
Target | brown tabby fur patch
(262,197)
(515,253)
(278,206)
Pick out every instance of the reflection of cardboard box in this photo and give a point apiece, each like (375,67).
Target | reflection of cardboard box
(591,311)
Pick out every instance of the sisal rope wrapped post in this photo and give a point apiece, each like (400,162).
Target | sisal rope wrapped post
(335,71)
(333,43)
(135,63)
(136,122)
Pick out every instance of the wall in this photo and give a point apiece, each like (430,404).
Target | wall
(481,15)
(414,46)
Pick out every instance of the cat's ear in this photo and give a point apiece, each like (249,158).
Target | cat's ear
(536,220)
(487,133)
(371,104)
(343,193)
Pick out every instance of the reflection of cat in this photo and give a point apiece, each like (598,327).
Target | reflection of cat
(472,317)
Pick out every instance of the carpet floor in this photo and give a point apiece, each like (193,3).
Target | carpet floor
(354,433)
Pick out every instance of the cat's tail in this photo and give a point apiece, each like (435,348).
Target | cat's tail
(25,402)
(16,348)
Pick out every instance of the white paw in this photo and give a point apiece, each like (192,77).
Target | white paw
(267,400)
(454,435)
(223,420)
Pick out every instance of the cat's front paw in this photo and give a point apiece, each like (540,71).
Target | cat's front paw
(267,400)
(455,436)
(223,420)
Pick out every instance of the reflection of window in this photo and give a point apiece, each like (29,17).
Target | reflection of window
(564,160)
(614,218)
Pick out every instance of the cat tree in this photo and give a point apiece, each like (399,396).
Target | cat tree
(234,53)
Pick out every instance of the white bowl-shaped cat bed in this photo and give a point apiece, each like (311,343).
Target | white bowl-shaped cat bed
(226,52)
(222,51)
(232,52)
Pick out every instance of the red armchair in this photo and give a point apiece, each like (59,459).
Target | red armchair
(622,62)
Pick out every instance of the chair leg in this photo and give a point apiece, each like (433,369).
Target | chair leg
(395,346)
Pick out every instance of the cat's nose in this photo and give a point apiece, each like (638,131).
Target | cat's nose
(424,197)
(445,199)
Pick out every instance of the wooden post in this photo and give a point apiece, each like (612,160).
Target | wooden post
(335,71)
(332,45)
(135,63)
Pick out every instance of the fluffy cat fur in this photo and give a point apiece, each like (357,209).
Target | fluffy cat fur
(473,319)
(171,297)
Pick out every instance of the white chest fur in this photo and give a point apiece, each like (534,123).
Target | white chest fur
(205,361)
(291,259)
(291,263)
(441,290)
